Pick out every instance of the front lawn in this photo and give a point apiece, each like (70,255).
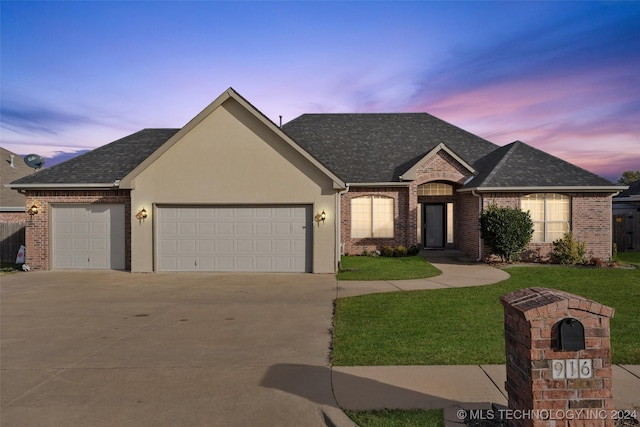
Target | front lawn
(383,268)
(398,418)
(464,326)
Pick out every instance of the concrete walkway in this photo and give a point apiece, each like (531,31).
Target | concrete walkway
(457,389)
(458,271)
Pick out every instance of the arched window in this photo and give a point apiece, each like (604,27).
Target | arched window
(372,216)
(551,215)
(435,189)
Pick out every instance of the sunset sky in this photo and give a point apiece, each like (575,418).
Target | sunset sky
(561,76)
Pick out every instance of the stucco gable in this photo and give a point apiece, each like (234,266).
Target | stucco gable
(230,95)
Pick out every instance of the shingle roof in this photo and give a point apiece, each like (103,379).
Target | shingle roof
(11,198)
(633,190)
(362,148)
(105,164)
(520,165)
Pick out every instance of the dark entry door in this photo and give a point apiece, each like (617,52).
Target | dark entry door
(434,225)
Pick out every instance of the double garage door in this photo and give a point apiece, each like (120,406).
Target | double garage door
(88,237)
(234,238)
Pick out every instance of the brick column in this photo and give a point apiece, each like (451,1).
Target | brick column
(550,386)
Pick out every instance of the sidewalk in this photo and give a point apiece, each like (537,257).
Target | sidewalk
(450,387)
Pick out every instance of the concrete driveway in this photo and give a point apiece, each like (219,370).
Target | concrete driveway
(118,349)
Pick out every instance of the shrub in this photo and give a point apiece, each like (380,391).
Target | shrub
(568,251)
(386,251)
(413,250)
(507,231)
(400,251)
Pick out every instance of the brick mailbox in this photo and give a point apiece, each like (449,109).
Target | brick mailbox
(558,359)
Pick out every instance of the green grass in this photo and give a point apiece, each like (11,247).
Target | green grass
(462,326)
(8,267)
(398,418)
(629,257)
(383,268)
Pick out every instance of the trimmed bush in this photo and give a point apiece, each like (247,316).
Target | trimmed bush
(507,231)
(400,251)
(386,251)
(568,251)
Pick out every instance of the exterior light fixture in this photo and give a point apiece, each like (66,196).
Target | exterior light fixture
(320,217)
(33,210)
(142,214)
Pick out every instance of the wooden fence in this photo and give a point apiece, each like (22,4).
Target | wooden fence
(626,231)
(11,237)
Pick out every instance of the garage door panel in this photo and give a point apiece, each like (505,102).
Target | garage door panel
(244,246)
(80,227)
(244,263)
(269,238)
(263,246)
(206,229)
(99,244)
(244,229)
(187,263)
(88,236)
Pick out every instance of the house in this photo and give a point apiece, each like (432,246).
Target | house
(232,191)
(626,219)
(12,205)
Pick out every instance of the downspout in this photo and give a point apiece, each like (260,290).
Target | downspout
(338,251)
(479,213)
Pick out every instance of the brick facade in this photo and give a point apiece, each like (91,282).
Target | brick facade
(590,214)
(590,223)
(37,226)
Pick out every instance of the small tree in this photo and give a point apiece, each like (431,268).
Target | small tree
(507,231)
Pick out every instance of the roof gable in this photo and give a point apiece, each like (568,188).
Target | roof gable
(410,174)
(230,93)
(372,147)
(520,166)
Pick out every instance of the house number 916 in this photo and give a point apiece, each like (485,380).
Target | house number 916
(571,368)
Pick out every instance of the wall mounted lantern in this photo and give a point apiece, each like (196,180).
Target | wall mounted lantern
(142,214)
(320,217)
(33,210)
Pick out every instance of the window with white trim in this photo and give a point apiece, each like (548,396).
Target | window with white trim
(551,215)
(372,216)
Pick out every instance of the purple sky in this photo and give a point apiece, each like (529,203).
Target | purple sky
(561,76)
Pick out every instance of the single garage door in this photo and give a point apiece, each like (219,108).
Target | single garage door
(88,236)
(258,239)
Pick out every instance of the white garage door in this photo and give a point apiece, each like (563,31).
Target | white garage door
(88,236)
(260,239)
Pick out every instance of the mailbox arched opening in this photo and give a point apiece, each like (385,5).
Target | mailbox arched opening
(571,335)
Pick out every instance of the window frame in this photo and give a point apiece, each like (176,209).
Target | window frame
(545,222)
(435,189)
(373,226)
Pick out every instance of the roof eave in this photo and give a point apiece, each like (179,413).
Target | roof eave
(378,184)
(564,189)
(65,186)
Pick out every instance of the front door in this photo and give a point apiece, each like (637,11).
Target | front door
(434,225)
